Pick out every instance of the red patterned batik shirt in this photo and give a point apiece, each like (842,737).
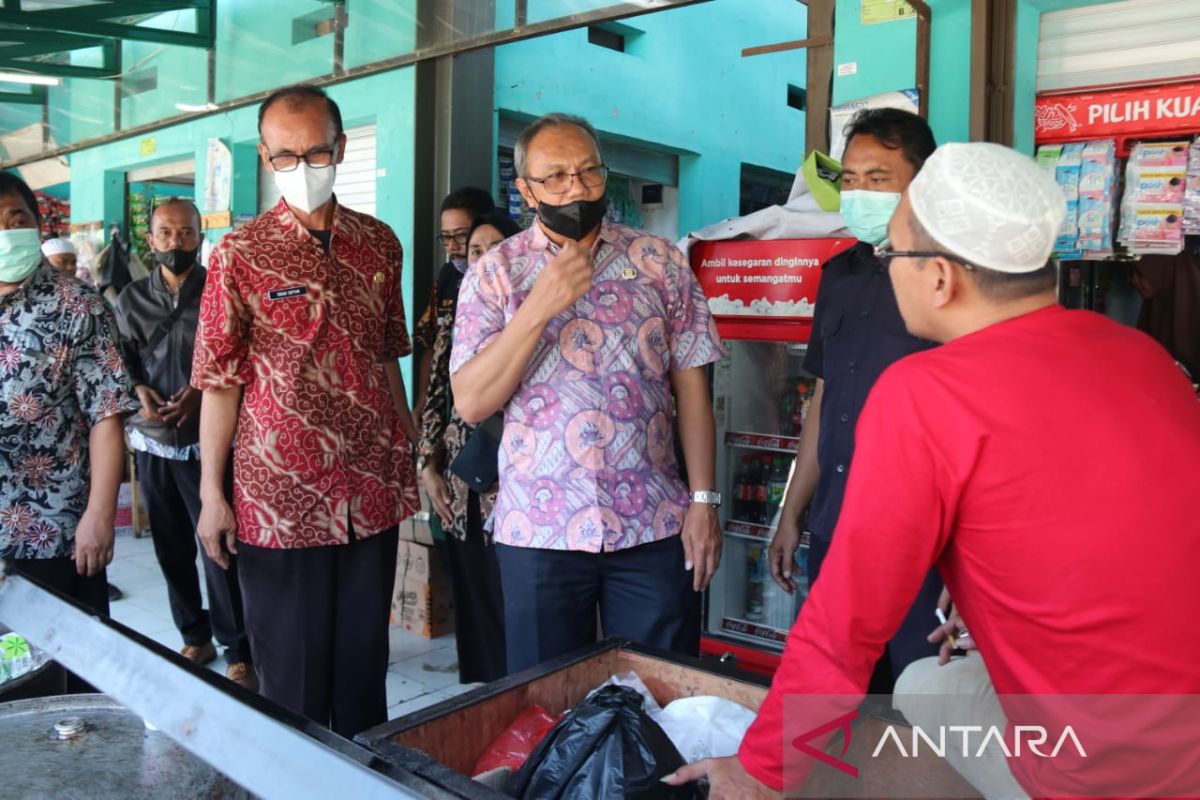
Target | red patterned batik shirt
(319,444)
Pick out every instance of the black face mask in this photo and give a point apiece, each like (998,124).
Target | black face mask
(177,260)
(574,220)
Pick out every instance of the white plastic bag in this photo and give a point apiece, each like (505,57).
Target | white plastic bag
(705,727)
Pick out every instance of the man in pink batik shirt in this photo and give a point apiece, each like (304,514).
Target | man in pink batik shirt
(592,338)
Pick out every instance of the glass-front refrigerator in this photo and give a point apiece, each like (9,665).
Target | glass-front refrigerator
(762,295)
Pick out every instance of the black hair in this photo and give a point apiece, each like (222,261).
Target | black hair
(472,199)
(996,285)
(897,130)
(11,183)
(498,220)
(298,96)
(178,201)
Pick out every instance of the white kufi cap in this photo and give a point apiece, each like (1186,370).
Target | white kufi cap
(54,247)
(988,204)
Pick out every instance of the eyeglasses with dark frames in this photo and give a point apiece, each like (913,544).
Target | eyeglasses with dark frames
(886,254)
(458,238)
(317,158)
(560,182)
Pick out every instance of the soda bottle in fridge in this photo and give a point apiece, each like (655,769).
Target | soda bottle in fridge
(800,408)
(767,511)
(787,410)
(741,483)
(756,573)
(776,486)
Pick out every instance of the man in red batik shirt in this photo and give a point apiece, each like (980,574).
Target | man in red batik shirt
(1045,461)
(301,323)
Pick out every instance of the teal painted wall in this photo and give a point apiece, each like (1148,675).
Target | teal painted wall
(884,55)
(255,50)
(379,29)
(684,87)
(181,73)
(97,174)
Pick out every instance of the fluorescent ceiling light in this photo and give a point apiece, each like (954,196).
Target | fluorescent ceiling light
(190,107)
(29,78)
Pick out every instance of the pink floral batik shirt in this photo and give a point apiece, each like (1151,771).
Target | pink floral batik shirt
(587,460)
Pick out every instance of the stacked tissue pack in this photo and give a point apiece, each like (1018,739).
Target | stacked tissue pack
(1086,172)
(1191,196)
(1152,209)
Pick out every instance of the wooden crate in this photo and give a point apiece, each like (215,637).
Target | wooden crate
(441,743)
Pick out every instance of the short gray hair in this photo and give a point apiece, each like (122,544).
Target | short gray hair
(552,120)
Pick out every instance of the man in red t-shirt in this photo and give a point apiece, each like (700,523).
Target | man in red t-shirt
(1045,461)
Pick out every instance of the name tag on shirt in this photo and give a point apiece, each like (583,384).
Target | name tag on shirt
(283,294)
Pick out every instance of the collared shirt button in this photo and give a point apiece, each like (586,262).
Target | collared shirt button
(844,417)
(864,313)
(840,467)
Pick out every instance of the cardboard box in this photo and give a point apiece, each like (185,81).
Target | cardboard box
(423,608)
(422,601)
(417,529)
(419,563)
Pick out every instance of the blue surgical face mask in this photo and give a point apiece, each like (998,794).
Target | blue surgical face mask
(20,253)
(867,213)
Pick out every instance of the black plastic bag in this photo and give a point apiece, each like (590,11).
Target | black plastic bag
(606,748)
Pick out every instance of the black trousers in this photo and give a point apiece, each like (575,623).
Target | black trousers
(478,600)
(318,624)
(909,644)
(59,574)
(550,599)
(172,497)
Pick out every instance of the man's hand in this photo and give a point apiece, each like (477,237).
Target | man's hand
(701,543)
(727,779)
(781,555)
(954,629)
(93,542)
(151,402)
(217,529)
(183,406)
(565,278)
(439,493)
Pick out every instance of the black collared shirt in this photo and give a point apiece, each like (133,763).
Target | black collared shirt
(857,334)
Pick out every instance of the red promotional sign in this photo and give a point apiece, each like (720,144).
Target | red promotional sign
(1157,111)
(763,289)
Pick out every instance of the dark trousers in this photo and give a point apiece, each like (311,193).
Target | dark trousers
(318,624)
(909,643)
(172,495)
(59,574)
(478,600)
(550,599)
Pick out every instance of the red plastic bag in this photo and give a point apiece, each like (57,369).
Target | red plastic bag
(512,748)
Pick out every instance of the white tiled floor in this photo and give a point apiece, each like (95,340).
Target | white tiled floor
(421,671)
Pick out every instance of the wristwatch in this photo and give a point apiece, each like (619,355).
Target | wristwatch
(711,498)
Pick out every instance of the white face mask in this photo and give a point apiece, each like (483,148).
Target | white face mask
(307,188)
